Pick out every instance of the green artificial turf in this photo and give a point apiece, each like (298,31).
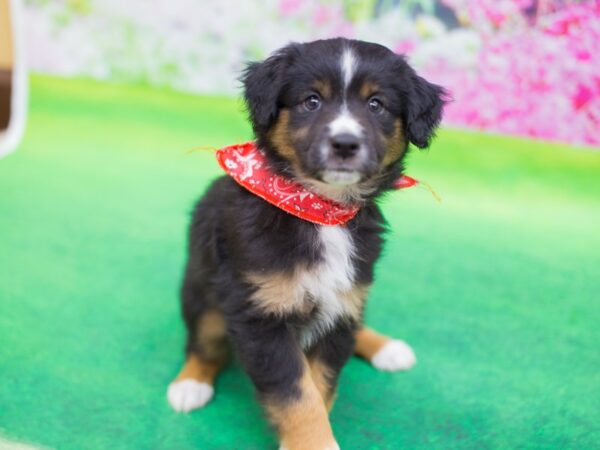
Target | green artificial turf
(496,288)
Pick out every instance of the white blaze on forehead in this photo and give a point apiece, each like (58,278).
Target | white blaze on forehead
(348,66)
(345,123)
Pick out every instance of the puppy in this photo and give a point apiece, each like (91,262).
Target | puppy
(335,118)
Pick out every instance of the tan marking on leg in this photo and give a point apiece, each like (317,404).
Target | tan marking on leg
(211,338)
(303,423)
(368,342)
(321,374)
(199,370)
(395,145)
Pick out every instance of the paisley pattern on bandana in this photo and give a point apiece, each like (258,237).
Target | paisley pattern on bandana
(248,166)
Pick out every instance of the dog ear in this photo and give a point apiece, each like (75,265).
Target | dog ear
(263,82)
(425,102)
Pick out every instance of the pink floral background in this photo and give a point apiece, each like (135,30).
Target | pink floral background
(534,69)
(524,67)
(537,72)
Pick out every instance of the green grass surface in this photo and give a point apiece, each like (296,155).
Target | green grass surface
(497,288)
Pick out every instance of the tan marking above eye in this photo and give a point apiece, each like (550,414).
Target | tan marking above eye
(395,144)
(367,89)
(323,87)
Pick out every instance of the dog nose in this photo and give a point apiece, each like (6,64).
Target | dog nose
(345,145)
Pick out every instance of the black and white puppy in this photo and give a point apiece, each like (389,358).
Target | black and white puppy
(337,116)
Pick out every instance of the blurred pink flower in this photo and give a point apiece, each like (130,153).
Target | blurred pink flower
(289,7)
(405,46)
(539,79)
(321,15)
(583,96)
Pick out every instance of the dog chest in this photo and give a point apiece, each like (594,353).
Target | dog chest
(323,292)
(329,285)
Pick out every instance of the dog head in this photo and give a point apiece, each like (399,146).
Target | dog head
(338,115)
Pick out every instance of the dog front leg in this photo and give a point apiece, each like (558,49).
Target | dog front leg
(282,377)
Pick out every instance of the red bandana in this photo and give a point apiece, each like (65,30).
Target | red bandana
(247,165)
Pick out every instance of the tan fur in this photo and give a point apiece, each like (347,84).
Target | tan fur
(212,335)
(7,32)
(303,423)
(396,146)
(321,374)
(300,133)
(368,89)
(356,299)
(281,138)
(323,87)
(368,342)
(199,370)
(278,294)
(282,294)
(211,339)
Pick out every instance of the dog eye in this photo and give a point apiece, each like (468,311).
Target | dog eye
(312,103)
(375,105)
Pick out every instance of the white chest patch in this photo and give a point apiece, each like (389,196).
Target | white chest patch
(330,282)
(322,292)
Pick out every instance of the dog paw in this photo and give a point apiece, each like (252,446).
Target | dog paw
(187,395)
(394,355)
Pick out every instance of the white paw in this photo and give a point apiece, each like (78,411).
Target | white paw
(186,395)
(394,355)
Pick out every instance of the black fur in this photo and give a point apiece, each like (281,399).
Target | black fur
(234,232)
(284,79)
(424,111)
(263,83)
